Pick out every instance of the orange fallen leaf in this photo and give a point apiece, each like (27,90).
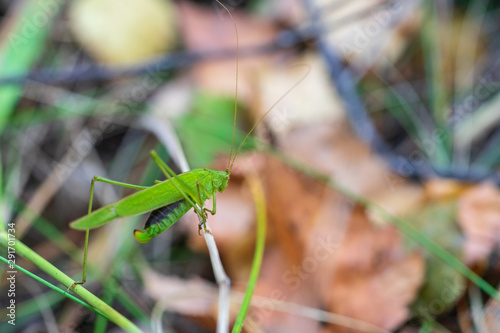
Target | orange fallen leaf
(373,280)
(479,217)
(335,256)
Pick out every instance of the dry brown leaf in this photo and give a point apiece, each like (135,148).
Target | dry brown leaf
(398,201)
(319,253)
(374,280)
(361,273)
(479,217)
(332,148)
(381,298)
(357,269)
(272,283)
(313,101)
(293,205)
(369,30)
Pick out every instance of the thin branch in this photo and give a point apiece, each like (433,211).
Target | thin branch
(166,135)
(222,280)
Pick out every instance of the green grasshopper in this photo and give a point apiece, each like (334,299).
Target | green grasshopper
(168,200)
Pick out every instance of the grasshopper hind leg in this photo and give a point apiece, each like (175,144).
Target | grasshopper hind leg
(91,199)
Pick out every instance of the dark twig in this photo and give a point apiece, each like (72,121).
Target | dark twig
(283,40)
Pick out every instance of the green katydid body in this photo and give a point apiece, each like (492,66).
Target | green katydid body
(164,199)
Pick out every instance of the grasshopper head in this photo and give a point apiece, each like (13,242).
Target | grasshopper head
(220,180)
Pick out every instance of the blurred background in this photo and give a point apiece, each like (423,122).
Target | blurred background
(395,105)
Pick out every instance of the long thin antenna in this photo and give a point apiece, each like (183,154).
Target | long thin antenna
(269,110)
(236,89)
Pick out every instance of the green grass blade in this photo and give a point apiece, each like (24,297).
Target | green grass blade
(53,287)
(50,269)
(489,157)
(50,232)
(408,118)
(101,323)
(22,47)
(260,206)
(431,45)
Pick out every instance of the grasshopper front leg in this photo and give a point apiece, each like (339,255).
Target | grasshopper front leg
(203,219)
(214,201)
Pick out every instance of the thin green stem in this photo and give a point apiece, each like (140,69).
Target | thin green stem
(260,207)
(51,286)
(53,234)
(50,269)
